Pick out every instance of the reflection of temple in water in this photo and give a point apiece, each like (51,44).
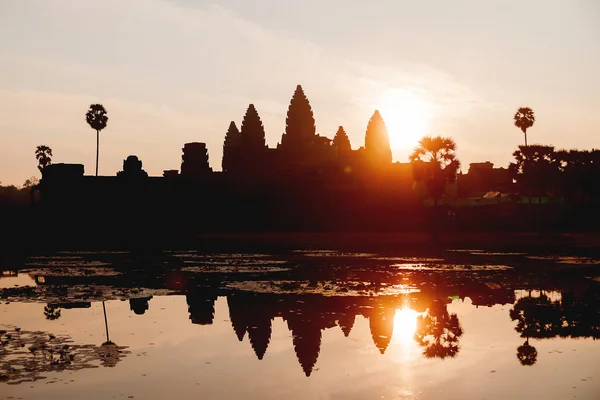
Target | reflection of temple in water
(307,342)
(139,305)
(251,314)
(306,317)
(201,306)
(490,296)
(381,322)
(259,328)
(346,322)
(238,315)
(571,311)
(71,305)
(438,332)
(306,322)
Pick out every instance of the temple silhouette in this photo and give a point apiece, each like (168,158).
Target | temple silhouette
(306,182)
(309,182)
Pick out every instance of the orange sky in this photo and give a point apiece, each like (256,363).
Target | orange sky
(171,72)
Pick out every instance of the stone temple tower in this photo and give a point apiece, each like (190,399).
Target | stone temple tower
(194,160)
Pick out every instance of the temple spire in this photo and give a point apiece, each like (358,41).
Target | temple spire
(341,141)
(377,141)
(231,148)
(300,127)
(252,132)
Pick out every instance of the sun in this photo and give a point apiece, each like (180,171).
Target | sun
(407,117)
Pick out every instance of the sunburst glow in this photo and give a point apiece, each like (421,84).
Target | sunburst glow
(407,116)
(405,324)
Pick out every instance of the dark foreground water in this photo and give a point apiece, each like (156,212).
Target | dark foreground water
(302,325)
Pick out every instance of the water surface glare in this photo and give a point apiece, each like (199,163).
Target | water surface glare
(309,324)
(184,348)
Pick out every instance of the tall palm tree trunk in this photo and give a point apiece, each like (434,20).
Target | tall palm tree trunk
(525,132)
(98,149)
(105,321)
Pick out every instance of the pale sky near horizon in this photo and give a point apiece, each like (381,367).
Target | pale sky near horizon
(177,71)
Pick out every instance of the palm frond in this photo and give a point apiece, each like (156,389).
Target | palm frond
(96,117)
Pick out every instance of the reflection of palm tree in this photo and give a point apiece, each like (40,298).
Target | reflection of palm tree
(571,320)
(110,354)
(537,317)
(542,318)
(580,315)
(58,353)
(51,312)
(438,332)
(527,354)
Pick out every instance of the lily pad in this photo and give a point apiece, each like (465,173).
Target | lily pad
(323,288)
(450,267)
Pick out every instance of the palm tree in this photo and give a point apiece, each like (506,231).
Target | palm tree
(440,155)
(524,119)
(43,154)
(96,117)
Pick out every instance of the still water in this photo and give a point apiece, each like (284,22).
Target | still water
(303,325)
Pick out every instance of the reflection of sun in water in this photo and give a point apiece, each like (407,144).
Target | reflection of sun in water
(407,117)
(405,325)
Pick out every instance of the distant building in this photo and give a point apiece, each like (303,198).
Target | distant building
(132,168)
(62,171)
(483,178)
(194,160)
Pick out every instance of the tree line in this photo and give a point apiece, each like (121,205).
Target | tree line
(537,170)
(540,170)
